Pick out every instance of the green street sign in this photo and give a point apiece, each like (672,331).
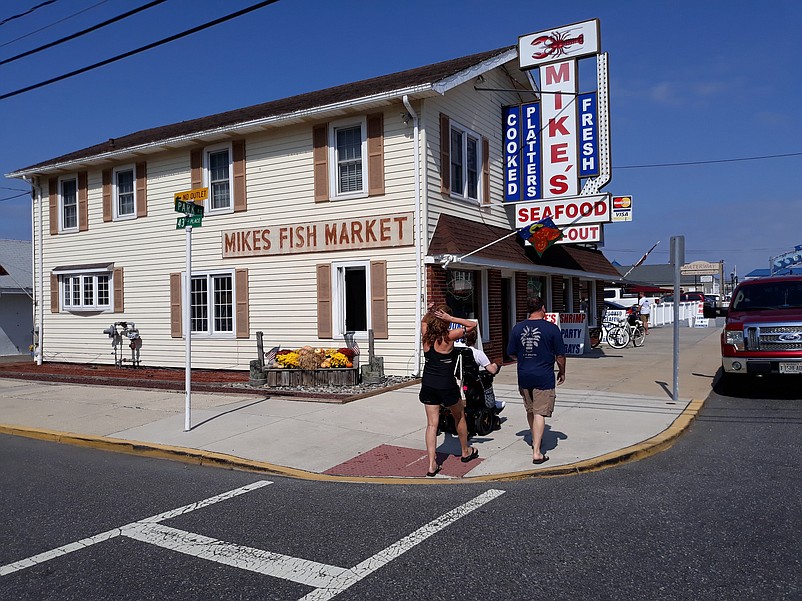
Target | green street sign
(194,221)
(189,208)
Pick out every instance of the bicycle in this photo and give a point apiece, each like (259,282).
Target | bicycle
(616,333)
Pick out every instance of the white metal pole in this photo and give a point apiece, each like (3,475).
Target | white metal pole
(188,333)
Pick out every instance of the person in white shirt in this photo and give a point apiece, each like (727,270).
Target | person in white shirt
(644,309)
(483,361)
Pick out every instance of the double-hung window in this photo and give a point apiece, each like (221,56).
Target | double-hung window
(86,292)
(124,193)
(348,158)
(212,303)
(466,163)
(352,301)
(68,201)
(219,178)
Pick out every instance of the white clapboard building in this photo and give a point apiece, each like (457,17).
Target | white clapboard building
(345,209)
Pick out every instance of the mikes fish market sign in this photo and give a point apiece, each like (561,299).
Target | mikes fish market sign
(323,236)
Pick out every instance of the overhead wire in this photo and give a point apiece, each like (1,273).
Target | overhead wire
(150,46)
(67,18)
(82,32)
(27,12)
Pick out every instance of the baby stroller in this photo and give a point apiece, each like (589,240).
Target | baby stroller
(481,413)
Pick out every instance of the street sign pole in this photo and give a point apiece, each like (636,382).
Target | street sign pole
(188,334)
(677,260)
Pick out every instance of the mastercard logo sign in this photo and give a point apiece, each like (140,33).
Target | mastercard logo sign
(622,202)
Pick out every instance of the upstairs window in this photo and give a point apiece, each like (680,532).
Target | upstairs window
(124,193)
(68,199)
(466,161)
(348,159)
(218,178)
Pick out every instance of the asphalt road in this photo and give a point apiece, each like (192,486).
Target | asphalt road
(717,516)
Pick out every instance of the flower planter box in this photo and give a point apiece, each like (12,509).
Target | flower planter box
(339,376)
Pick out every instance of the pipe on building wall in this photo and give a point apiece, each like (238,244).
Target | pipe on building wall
(419,235)
(36,231)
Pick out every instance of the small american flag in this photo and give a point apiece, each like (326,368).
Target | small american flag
(270,355)
(355,347)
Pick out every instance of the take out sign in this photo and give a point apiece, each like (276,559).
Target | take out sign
(565,211)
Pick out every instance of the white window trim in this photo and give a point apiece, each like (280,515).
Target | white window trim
(115,197)
(479,162)
(210,333)
(61,228)
(337,294)
(82,308)
(207,178)
(332,149)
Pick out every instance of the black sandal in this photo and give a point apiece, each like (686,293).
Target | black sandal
(435,472)
(474,454)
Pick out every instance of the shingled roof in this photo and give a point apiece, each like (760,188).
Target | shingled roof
(458,237)
(425,78)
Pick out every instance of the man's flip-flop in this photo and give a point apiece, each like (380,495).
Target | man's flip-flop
(435,472)
(543,459)
(474,454)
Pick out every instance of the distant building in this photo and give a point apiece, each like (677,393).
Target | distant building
(16,304)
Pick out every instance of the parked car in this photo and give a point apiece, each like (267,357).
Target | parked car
(763,329)
(709,308)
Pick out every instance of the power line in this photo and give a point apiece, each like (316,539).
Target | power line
(83,32)
(27,12)
(68,17)
(161,42)
(754,158)
(15,196)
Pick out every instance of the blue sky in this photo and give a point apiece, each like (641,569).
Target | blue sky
(690,81)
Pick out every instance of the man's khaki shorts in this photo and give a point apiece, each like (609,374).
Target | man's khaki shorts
(538,402)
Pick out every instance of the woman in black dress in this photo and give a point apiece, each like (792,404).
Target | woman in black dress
(439,386)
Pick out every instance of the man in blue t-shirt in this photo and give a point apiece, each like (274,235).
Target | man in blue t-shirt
(537,344)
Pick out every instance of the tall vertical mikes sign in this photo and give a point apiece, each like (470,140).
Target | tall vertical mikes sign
(561,141)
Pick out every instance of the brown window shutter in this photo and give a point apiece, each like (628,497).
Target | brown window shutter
(320,157)
(324,300)
(378,298)
(119,301)
(175,305)
(485,171)
(53,198)
(196,168)
(83,201)
(240,199)
(141,189)
(107,212)
(54,296)
(243,312)
(376,154)
(445,154)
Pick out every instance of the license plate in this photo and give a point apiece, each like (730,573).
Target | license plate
(791,368)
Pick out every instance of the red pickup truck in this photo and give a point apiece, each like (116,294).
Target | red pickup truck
(763,329)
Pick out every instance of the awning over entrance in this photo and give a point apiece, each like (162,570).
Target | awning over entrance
(459,237)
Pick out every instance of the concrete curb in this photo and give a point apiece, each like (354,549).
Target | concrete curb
(646,448)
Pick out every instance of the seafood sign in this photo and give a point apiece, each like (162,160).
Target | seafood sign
(341,234)
(571,41)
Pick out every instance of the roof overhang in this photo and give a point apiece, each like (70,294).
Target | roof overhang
(231,131)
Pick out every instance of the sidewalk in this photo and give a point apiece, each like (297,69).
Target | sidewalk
(615,405)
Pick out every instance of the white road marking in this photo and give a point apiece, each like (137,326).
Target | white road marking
(383,557)
(103,536)
(302,571)
(328,580)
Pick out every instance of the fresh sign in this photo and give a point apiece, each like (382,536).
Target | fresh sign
(588,135)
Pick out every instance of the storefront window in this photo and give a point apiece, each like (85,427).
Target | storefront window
(536,286)
(463,293)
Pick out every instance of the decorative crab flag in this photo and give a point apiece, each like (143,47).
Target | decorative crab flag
(541,234)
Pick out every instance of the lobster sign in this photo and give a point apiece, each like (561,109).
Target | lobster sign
(571,41)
